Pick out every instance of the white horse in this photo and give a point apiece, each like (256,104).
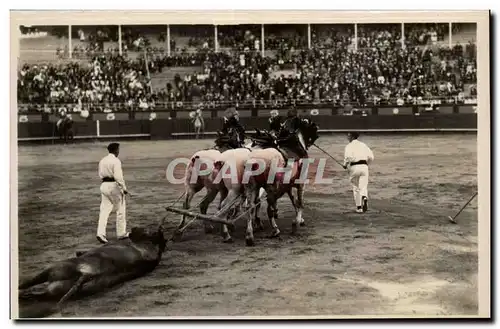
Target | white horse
(203,179)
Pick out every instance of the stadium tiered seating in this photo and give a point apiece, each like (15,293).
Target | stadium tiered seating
(339,69)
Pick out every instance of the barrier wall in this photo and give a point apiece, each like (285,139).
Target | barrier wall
(179,127)
(168,123)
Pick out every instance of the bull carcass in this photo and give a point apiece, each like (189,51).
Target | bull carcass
(97,269)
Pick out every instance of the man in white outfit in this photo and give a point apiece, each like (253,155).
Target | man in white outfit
(113,191)
(357,157)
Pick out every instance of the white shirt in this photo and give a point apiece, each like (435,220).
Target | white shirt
(357,151)
(111,166)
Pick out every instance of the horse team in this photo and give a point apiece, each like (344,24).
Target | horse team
(285,149)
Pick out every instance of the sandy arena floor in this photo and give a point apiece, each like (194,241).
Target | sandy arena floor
(400,258)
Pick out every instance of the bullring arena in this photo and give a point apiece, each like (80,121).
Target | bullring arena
(402,257)
(410,89)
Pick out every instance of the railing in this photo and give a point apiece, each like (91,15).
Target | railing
(278,103)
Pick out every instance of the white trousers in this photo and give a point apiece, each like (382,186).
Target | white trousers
(112,198)
(358,175)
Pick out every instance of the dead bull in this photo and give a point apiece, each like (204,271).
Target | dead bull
(99,268)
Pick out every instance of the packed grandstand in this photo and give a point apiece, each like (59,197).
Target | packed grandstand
(188,67)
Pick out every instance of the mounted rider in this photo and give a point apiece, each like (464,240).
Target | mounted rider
(289,128)
(64,125)
(291,124)
(232,127)
(312,130)
(275,122)
(288,134)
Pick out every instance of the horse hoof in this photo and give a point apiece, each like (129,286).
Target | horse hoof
(275,234)
(228,240)
(249,242)
(302,223)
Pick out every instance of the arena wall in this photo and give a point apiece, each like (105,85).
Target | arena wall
(177,124)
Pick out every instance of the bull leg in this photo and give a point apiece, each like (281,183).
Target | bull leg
(79,253)
(211,194)
(54,289)
(59,288)
(40,278)
(272,211)
(78,284)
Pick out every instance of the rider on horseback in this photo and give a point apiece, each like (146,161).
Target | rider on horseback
(64,126)
(232,127)
(291,124)
(288,131)
(274,123)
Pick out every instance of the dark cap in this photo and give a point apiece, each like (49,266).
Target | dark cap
(113,147)
(354,134)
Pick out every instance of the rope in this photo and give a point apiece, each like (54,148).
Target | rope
(329,155)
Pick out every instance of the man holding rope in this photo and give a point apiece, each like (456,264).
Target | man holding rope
(357,157)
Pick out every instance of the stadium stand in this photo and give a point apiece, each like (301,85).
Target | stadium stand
(197,68)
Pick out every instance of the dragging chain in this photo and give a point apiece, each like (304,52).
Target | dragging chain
(226,207)
(182,229)
(250,208)
(173,203)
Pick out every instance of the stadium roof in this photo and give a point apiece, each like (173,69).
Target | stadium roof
(239,17)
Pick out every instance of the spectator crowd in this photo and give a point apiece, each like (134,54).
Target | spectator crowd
(381,71)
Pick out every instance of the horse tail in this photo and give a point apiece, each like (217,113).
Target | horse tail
(193,159)
(218,165)
(217,168)
(190,168)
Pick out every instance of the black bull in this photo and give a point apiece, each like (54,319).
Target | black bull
(93,271)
